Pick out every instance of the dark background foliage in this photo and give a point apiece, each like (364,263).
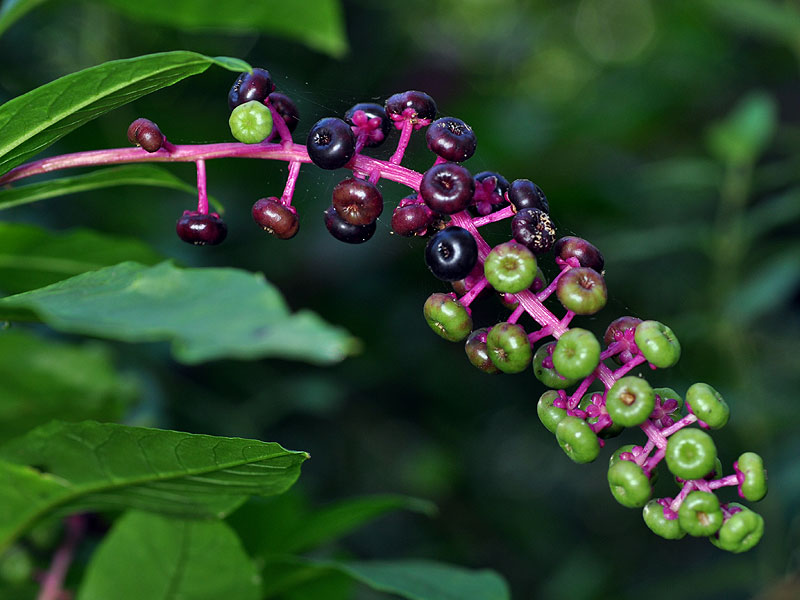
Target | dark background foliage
(619,110)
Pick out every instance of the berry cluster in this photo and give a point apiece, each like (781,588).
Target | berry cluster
(448,205)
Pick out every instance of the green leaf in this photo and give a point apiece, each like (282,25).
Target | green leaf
(32,122)
(190,560)
(206,313)
(44,380)
(12,10)
(147,175)
(32,257)
(771,20)
(411,579)
(744,134)
(95,466)
(317,23)
(287,525)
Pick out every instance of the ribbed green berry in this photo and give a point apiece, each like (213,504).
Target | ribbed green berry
(754,485)
(577,353)
(251,122)
(549,415)
(549,376)
(510,267)
(577,439)
(447,317)
(708,405)
(700,514)
(654,518)
(740,532)
(658,344)
(629,484)
(509,348)
(630,401)
(691,454)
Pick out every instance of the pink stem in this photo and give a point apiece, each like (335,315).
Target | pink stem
(508,211)
(575,399)
(476,289)
(516,314)
(54,577)
(628,366)
(405,137)
(202,190)
(291,180)
(687,420)
(280,125)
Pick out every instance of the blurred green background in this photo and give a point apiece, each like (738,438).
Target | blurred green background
(667,133)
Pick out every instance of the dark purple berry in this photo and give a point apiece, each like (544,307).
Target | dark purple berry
(477,352)
(411,217)
(372,122)
(418,107)
(490,188)
(347,232)
(447,188)
(286,108)
(250,86)
(523,194)
(586,253)
(145,133)
(451,254)
(451,138)
(357,201)
(275,218)
(534,229)
(331,143)
(201,230)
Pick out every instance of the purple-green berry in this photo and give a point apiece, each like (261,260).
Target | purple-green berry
(509,347)
(447,317)
(582,290)
(548,375)
(477,352)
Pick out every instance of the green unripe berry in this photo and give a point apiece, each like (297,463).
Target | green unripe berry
(509,347)
(707,405)
(654,518)
(630,401)
(447,317)
(691,454)
(251,122)
(740,532)
(510,267)
(700,514)
(754,485)
(577,440)
(629,484)
(657,343)
(550,415)
(549,376)
(577,353)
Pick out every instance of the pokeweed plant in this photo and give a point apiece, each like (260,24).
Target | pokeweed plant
(448,205)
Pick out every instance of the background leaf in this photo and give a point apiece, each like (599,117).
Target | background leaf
(11,10)
(32,257)
(147,175)
(44,379)
(744,133)
(31,122)
(93,466)
(206,313)
(151,556)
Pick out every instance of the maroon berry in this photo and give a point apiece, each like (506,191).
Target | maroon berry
(145,133)
(523,194)
(250,86)
(575,247)
(411,217)
(447,188)
(451,138)
(371,121)
(357,201)
(347,232)
(286,108)
(275,218)
(418,107)
(201,230)
(534,228)
(582,290)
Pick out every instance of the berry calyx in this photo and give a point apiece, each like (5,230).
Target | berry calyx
(447,317)
(451,253)
(691,454)
(549,414)
(574,247)
(145,133)
(447,188)
(251,122)
(357,201)
(509,347)
(582,290)
(331,143)
(490,189)
(369,120)
(201,229)
(414,106)
(510,267)
(347,232)
(275,218)
(534,229)
(411,217)
(286,108)
(577,353)
(255,86)
(523,194)
(621,331)
(451,138)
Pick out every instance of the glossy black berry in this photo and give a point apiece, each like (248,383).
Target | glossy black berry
(286,108)
(534,229)
(201,230)
(451,254)
(523,193)
(586,253)
(416,106)
(331,143)
(357,201)
(347,232)
(368,124)
(275,218)
(451,138)
(250,86)
(447,188)
(145,133)
(411,217)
